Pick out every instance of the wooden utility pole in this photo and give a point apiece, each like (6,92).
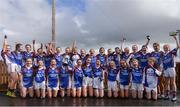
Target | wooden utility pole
(54,23)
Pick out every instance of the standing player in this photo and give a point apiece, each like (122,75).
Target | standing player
(52,74)
(40,80)
(83,56)
(88,78)
(98,83)
(152,71)
(110,56)
(77,79)
(117,57)
(12,68)
(93,57)
(75,56)
(58,57)
(169,70)
(157,54)
(26,78)
(102,57)
(28,53)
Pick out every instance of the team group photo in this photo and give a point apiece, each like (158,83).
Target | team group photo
(89,53)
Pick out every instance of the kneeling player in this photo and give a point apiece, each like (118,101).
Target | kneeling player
(77,79)
(98,83)
(112,80)
(40,80)
(151,79)
(52,79)
(26,79)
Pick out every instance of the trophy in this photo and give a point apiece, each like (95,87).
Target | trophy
(173,33)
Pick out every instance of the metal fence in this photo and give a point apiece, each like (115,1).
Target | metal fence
(4,76)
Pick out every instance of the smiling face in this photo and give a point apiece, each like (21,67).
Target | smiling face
(151,61)
(83,52)
(156,47)
(112,64)
(8,49)
(123,63)
(166,48)
(88,61)
(58,50)
(40,63)
(98,62)
(134,48)
(53,63)
(110,51)
(79,62)
(126,50)
(29,62)
(101,50)
(28,48)
(92,51)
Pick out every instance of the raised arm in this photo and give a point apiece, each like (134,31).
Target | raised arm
(5,43)
(122,43)
(177,43)
(148,40)
(34,50)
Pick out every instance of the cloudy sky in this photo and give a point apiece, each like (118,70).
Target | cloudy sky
(93,23)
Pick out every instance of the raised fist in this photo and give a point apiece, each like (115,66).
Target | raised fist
(148,37)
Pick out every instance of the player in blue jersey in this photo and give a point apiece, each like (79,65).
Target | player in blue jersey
(26,78)
(93,57)
(83,56)
(58,56)
(40,80)
(157,54)
(12,68)
(143,56)
(75,56)
(18,55)
(151,74)
(88,78)
(169,70)
(65,78)
(109,56)
(117,56)
(28,53)
(52,74)
(112,80)
(98,80)
(77,79)
(102,56)
(136,80)
(124,78)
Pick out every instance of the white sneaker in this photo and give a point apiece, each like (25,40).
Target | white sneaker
(174,99)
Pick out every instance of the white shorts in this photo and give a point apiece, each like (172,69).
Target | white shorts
(87,81)
(112,85)
(148,89)
(98,84)
(170,72)
(138,87)
(124,87)
(54,88)
(13,68)
(74,88)
(39,85)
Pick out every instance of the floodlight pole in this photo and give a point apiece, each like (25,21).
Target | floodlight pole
(53,24)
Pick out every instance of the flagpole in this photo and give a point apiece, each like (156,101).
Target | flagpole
(54,23)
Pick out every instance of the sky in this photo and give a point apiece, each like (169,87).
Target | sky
(92,23)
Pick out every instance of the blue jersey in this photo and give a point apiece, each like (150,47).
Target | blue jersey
(53,77)
(27,55)
(83,58)
(88,71)
(98,72)
(137,75)
(151,78)
(102,58)
(93,61)
(112,74)
(158,56)
(124,76)
(59,59)
(47,59)
(143,59)
(125,56)
(40,76)
(18,58)
(27,74)
(136,55)
(168,59)
(64,76)
(10,57)
(117,59)
(78,77)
